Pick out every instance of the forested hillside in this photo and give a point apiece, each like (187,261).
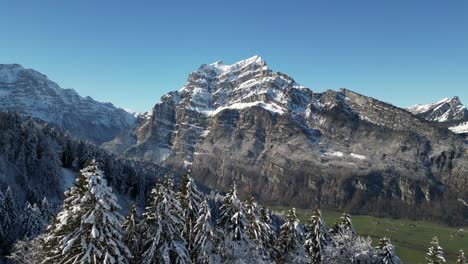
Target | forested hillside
(182,225)
(34,160)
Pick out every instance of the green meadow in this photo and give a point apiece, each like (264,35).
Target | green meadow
(410,238)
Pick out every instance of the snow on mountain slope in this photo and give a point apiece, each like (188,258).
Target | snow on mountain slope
(442,111)
(460,128)
(32,94)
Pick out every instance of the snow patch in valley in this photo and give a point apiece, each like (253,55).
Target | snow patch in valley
(334,153)
(357,156)
(461,128)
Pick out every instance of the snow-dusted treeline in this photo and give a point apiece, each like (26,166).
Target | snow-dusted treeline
(180,224)
(33,158)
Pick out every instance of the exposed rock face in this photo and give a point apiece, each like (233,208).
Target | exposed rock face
(450,113)
(31,93)
(288,145)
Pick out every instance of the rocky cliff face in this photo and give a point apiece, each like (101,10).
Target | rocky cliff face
(31,93)
(287,145)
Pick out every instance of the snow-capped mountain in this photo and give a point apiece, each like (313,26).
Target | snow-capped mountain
(449,112)
(283,143)
(32,94)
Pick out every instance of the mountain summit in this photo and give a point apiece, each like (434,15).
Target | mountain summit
(286,144)
(32,94)
(449,112)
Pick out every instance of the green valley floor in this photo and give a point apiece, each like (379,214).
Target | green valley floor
(410,238)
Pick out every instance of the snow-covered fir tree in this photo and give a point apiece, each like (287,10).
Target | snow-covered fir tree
(461,257)
(132,237)
(435,254)
(88,229)
(26,251)
(237,247)
(9,220)
(205,237)
(386,252)
(161,229)
(268,234)
(233,218)
(190,198)
(344,225)
(46,211)
(32,222)
(254,229)
(317,238)
(291,240)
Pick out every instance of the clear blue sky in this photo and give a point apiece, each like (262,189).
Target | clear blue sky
(132,52)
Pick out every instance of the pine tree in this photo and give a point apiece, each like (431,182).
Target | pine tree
(205,239)
(32,222)
(435,254)
(461,257)
(162,239)
(88,229)
(344,226)
(131,234)
(190,199)
(386,252)
(290,243)
(317,238)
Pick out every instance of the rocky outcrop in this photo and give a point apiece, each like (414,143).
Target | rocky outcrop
(287,145)
(31,93)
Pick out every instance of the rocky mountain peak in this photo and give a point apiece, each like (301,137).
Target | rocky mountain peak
(445,110)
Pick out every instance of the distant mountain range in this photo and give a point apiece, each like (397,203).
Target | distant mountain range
(280,141)
(31,93)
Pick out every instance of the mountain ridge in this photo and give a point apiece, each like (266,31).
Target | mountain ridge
(32,93)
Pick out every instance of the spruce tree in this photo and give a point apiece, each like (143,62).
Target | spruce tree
(317,238)
(386,252)
(162,239)
(254,228)
(46,211)
(461,257)
(88,229)
(131,234)
(205,238)
(233,218)
(190,199)
(290,243)
(31,222)
(236,245)
(9,219)
(435,254)
(267,234)
(2,213)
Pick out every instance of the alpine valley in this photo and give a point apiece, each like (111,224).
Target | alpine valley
(244,133)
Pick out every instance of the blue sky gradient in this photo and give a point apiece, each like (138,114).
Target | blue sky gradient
(130,53)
